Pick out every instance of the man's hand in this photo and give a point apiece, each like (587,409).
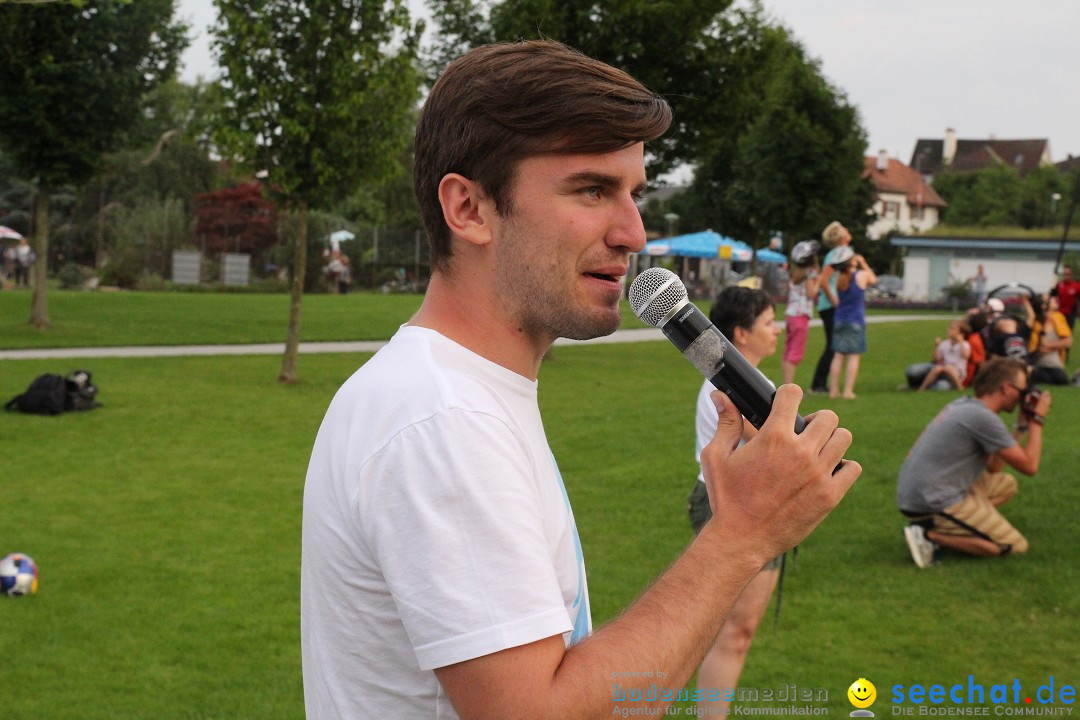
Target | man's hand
(767,496)
(1042,407)
(771,493)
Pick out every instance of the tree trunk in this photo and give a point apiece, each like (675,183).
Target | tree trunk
(292,338)
(39,302)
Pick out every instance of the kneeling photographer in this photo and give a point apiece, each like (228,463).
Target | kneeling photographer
(951,483)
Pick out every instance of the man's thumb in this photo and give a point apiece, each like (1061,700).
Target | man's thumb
(729,427)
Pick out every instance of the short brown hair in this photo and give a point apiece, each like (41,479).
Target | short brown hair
(994,373)
(500,104)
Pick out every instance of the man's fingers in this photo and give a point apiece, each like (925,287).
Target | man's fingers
(729,427)
(785,407)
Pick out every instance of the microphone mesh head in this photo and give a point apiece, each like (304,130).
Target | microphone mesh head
(654,293)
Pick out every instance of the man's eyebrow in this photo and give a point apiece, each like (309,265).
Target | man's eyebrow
(601,179)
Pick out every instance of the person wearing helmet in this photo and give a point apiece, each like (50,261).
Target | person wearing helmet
(802,292)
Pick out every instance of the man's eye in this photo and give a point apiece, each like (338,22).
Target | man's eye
(592,192)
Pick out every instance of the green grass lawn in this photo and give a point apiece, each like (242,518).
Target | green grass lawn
(166,524)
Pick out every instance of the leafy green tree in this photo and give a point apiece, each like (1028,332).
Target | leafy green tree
(318,95)
(998,196)
(677,48)
(1038,206)
(985,198)
(799,161)
(74,78)
(789,157)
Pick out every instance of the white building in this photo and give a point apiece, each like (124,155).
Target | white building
(934,263)
(904,203)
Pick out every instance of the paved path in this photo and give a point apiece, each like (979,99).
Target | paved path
(368,346)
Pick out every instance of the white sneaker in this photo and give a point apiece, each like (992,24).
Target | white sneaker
(922,550)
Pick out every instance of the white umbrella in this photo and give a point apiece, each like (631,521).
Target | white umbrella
(6,232)
(337,236)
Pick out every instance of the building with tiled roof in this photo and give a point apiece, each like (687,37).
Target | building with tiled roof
(952,154)
(1068,165)
(905,203)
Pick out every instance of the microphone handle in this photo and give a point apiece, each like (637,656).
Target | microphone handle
(717,359)
(751,392)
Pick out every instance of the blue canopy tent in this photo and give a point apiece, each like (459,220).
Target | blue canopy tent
(705,244)
(771,256)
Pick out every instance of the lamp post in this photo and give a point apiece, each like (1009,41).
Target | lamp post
(1053,207)
(671,219)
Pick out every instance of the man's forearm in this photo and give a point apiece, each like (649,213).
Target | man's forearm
(1033,447)
(665,633)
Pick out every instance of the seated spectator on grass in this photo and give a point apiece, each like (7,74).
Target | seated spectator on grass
(992,309)
(918,375)
(1009,334)
(1050,341)
(951,484)
(976,322)
(950,357)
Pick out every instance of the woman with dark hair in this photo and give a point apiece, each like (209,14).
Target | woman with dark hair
(745,317)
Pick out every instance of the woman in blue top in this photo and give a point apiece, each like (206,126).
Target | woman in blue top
(849,323)
(836,237)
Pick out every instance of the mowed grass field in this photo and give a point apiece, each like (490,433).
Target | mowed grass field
(166,524)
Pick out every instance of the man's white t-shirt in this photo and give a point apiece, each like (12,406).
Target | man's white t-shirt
(436,530)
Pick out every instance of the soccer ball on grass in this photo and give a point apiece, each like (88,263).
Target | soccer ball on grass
(18,575)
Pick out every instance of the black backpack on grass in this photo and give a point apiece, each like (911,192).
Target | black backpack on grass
(51,394)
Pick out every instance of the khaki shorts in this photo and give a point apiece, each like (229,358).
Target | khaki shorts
(977,514)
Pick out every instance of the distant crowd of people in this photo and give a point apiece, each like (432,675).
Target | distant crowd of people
(1037,332)
(952,481)
(18,258)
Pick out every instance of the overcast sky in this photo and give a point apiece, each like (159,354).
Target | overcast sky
(1007,68)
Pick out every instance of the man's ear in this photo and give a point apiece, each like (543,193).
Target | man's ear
(466,210)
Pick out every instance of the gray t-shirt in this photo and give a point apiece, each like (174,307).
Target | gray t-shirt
(950,455)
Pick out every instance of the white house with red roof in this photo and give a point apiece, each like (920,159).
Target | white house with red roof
(904,203)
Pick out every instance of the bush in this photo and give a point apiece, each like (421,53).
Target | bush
(71,276)
(123,268)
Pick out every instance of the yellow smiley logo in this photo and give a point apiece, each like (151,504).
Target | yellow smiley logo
(862,693)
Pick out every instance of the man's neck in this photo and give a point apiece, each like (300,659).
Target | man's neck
(995,401)
(479,322)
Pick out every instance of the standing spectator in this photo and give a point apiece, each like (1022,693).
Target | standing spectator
(976,322)
(1051,339)
(24,259)
(1066,291)
(334,269)
(747,318)
(951,484)
(344,278)
(978,284)
(835,236)
(802,292)
(849,329)
(9,263)
(950,357)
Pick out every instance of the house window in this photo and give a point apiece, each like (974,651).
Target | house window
(892,210)
(917,212)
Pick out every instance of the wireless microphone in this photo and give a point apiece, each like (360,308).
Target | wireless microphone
(658,297)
